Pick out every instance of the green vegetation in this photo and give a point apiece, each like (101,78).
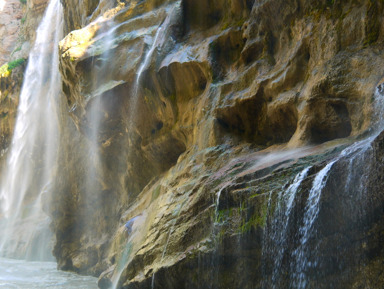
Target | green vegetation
(16,50)
(23,1)
(15,63)
(8,67)
(23,20)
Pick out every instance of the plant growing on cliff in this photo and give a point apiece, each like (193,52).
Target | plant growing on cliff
(23,1)
(16,50)
(8,67)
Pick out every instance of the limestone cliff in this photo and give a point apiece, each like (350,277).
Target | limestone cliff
(227,84)
(207,113)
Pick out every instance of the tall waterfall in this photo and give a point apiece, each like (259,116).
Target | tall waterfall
(31,165)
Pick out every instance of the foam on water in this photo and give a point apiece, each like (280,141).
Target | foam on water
(17,274)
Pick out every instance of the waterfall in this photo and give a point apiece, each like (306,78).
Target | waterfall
(275,243)
(30,170)
(292,241)
(311,212)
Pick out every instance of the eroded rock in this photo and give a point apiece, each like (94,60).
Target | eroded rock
(198,141)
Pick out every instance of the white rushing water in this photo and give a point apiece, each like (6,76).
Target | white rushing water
(281,222)
(354,155)
(312,209)
(17,274)
(31,163)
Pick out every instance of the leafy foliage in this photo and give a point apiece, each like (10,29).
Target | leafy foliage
(8,67)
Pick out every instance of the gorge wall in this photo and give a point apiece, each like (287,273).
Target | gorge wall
(209,114)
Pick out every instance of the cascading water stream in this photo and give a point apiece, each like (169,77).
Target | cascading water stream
(304,259)
(293,265)
(311,212)
(31,163)
(275,242)
(158,40)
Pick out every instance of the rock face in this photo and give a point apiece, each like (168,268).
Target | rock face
(207,144)
(11,13)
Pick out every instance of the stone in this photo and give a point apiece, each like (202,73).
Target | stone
(202,130)
(236,83)
(10,23)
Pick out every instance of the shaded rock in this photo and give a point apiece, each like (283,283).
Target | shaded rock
(235,99)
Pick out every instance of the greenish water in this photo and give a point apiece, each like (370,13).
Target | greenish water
(18,274)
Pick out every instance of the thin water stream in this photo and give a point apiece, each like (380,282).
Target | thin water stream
(157,42)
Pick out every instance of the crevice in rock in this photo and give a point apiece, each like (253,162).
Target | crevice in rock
(331,120)
(225,51)
(182,81)
(246,117)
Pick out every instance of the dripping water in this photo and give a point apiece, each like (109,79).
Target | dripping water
(158,41)
(171,230)
(95,122)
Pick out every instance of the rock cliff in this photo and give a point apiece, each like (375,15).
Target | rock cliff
(185,124)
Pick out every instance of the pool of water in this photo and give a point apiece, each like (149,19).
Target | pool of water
(39,275)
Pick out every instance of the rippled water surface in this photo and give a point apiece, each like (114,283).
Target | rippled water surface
(40,275)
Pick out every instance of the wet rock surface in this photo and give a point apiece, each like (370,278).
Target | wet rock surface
(207,114)
(226,107)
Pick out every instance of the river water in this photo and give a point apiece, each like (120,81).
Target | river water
(18,274)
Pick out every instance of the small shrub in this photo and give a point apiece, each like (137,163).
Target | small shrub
(23,1)
(8,67)
(15,63)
